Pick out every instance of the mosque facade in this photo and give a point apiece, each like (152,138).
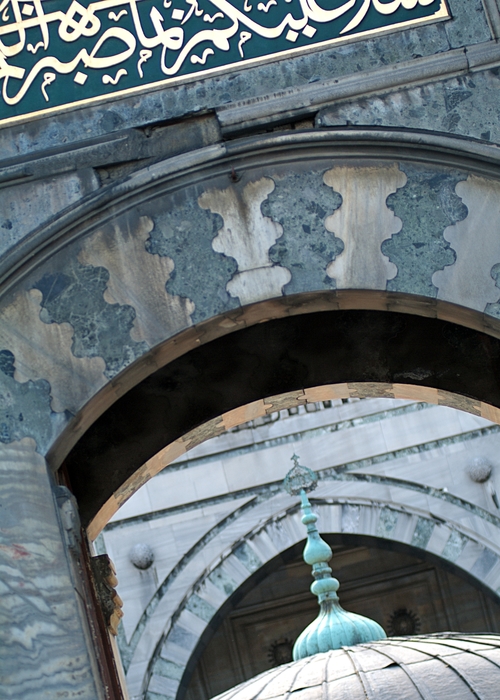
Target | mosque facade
(280,229)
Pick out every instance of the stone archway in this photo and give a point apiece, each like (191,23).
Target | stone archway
(318,365)
(401,454)
(336,227)
(176,264)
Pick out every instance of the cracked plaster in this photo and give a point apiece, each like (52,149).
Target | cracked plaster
(247,236)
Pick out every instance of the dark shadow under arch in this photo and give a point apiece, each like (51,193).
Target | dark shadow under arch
(272,358)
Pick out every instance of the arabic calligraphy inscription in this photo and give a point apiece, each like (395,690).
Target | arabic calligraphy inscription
(55,54)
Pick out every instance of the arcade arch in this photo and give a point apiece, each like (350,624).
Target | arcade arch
(384,465)
(406,594)
(417,530)
(180,302)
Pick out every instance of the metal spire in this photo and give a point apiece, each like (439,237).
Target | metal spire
(334,627)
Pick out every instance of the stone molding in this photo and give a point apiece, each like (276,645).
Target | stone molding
(394,144)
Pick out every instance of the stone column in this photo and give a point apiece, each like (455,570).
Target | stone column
(44,636)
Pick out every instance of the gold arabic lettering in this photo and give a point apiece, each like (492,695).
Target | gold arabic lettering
(99,47)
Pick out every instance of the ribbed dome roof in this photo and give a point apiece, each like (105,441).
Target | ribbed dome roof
(445,666)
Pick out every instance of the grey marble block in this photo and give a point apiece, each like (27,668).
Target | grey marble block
(45,652)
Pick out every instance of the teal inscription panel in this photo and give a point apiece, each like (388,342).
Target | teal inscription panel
(55,53)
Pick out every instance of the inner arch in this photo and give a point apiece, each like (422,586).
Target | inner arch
(378,577)
(336,515)
(348,353)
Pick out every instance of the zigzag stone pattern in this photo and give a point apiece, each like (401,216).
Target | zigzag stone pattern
(290,237)
(141,285)
(247,236)
(470,281)
(43,351)
(427,205)
(184,232)
(76,296)
(363,222)
(300,203)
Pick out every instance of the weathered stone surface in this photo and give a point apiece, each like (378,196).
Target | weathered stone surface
(140,285)
(474,30)
(76,296)
(24,406)
(363,223)
(469,281)
(113,155)
(184,234)
(96,309)
(247,237)
(426,205)
(43,352)
(24,207)
(300,203)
